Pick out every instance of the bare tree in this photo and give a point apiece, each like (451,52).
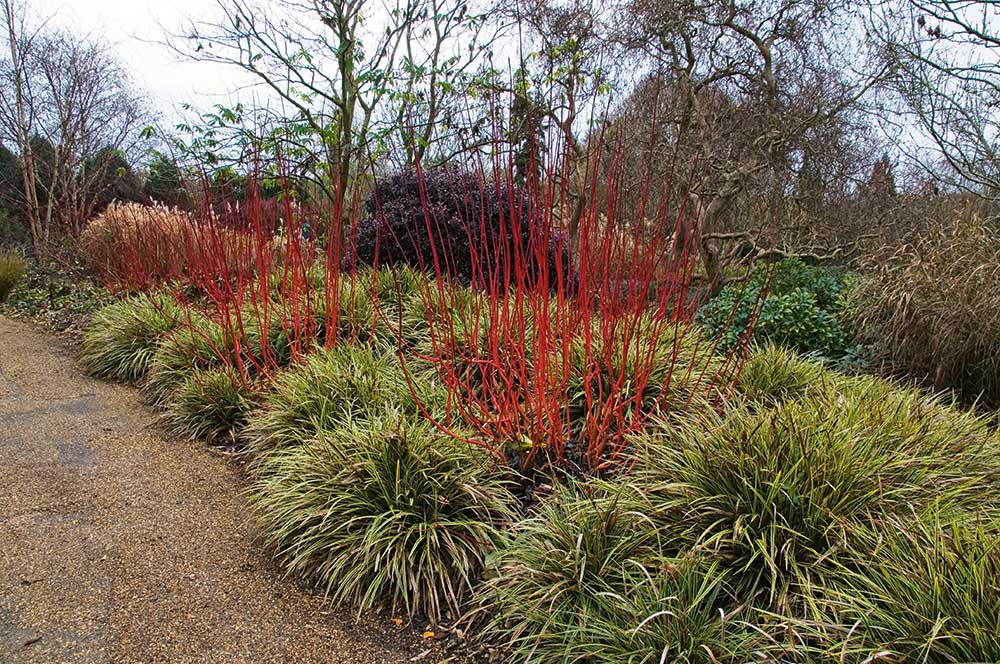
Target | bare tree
(947,55)
(743,95)
(352,81)
(70,97)
(18,112)
(89,113)
(562,83)
(745,84)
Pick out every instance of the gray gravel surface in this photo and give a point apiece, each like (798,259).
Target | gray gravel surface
(118,544)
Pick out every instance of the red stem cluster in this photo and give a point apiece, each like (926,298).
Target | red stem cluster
(550,366)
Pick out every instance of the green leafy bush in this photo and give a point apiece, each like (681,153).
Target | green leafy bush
(795,304)
(122,338)
(12,268)
(930,307)
(212,405)
(383,512)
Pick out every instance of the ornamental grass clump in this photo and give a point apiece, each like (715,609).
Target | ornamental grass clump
(929,306)
(122,339)
(590,577)
(781,494)
(199,344)
(747,533)
(325,311)
(546,582)
(211,405)
(678,611)
(357,318)
(136,247)
(774,374)
(925,591)
(427,314)
(383,512)
(330,389)
(393,285)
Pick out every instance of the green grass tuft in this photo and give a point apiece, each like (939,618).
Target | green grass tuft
(546,583)
(353,309)
(198,344)
(774,374)
(212,405)
(924,591)
(122,338)
(676,612)
(781,494)
(383,512)
(586,579)
(12,269)
(333,387)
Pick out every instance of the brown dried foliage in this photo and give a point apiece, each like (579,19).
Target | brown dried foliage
(930,306)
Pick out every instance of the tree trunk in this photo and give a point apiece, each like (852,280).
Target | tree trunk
(28,172)
(708,250)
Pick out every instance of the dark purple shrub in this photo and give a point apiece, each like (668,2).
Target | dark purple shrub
(462,225)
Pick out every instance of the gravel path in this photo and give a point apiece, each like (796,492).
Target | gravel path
(120,545)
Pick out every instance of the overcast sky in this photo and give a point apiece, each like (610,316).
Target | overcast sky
(134,27)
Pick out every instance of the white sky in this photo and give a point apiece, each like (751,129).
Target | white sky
(134,28)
